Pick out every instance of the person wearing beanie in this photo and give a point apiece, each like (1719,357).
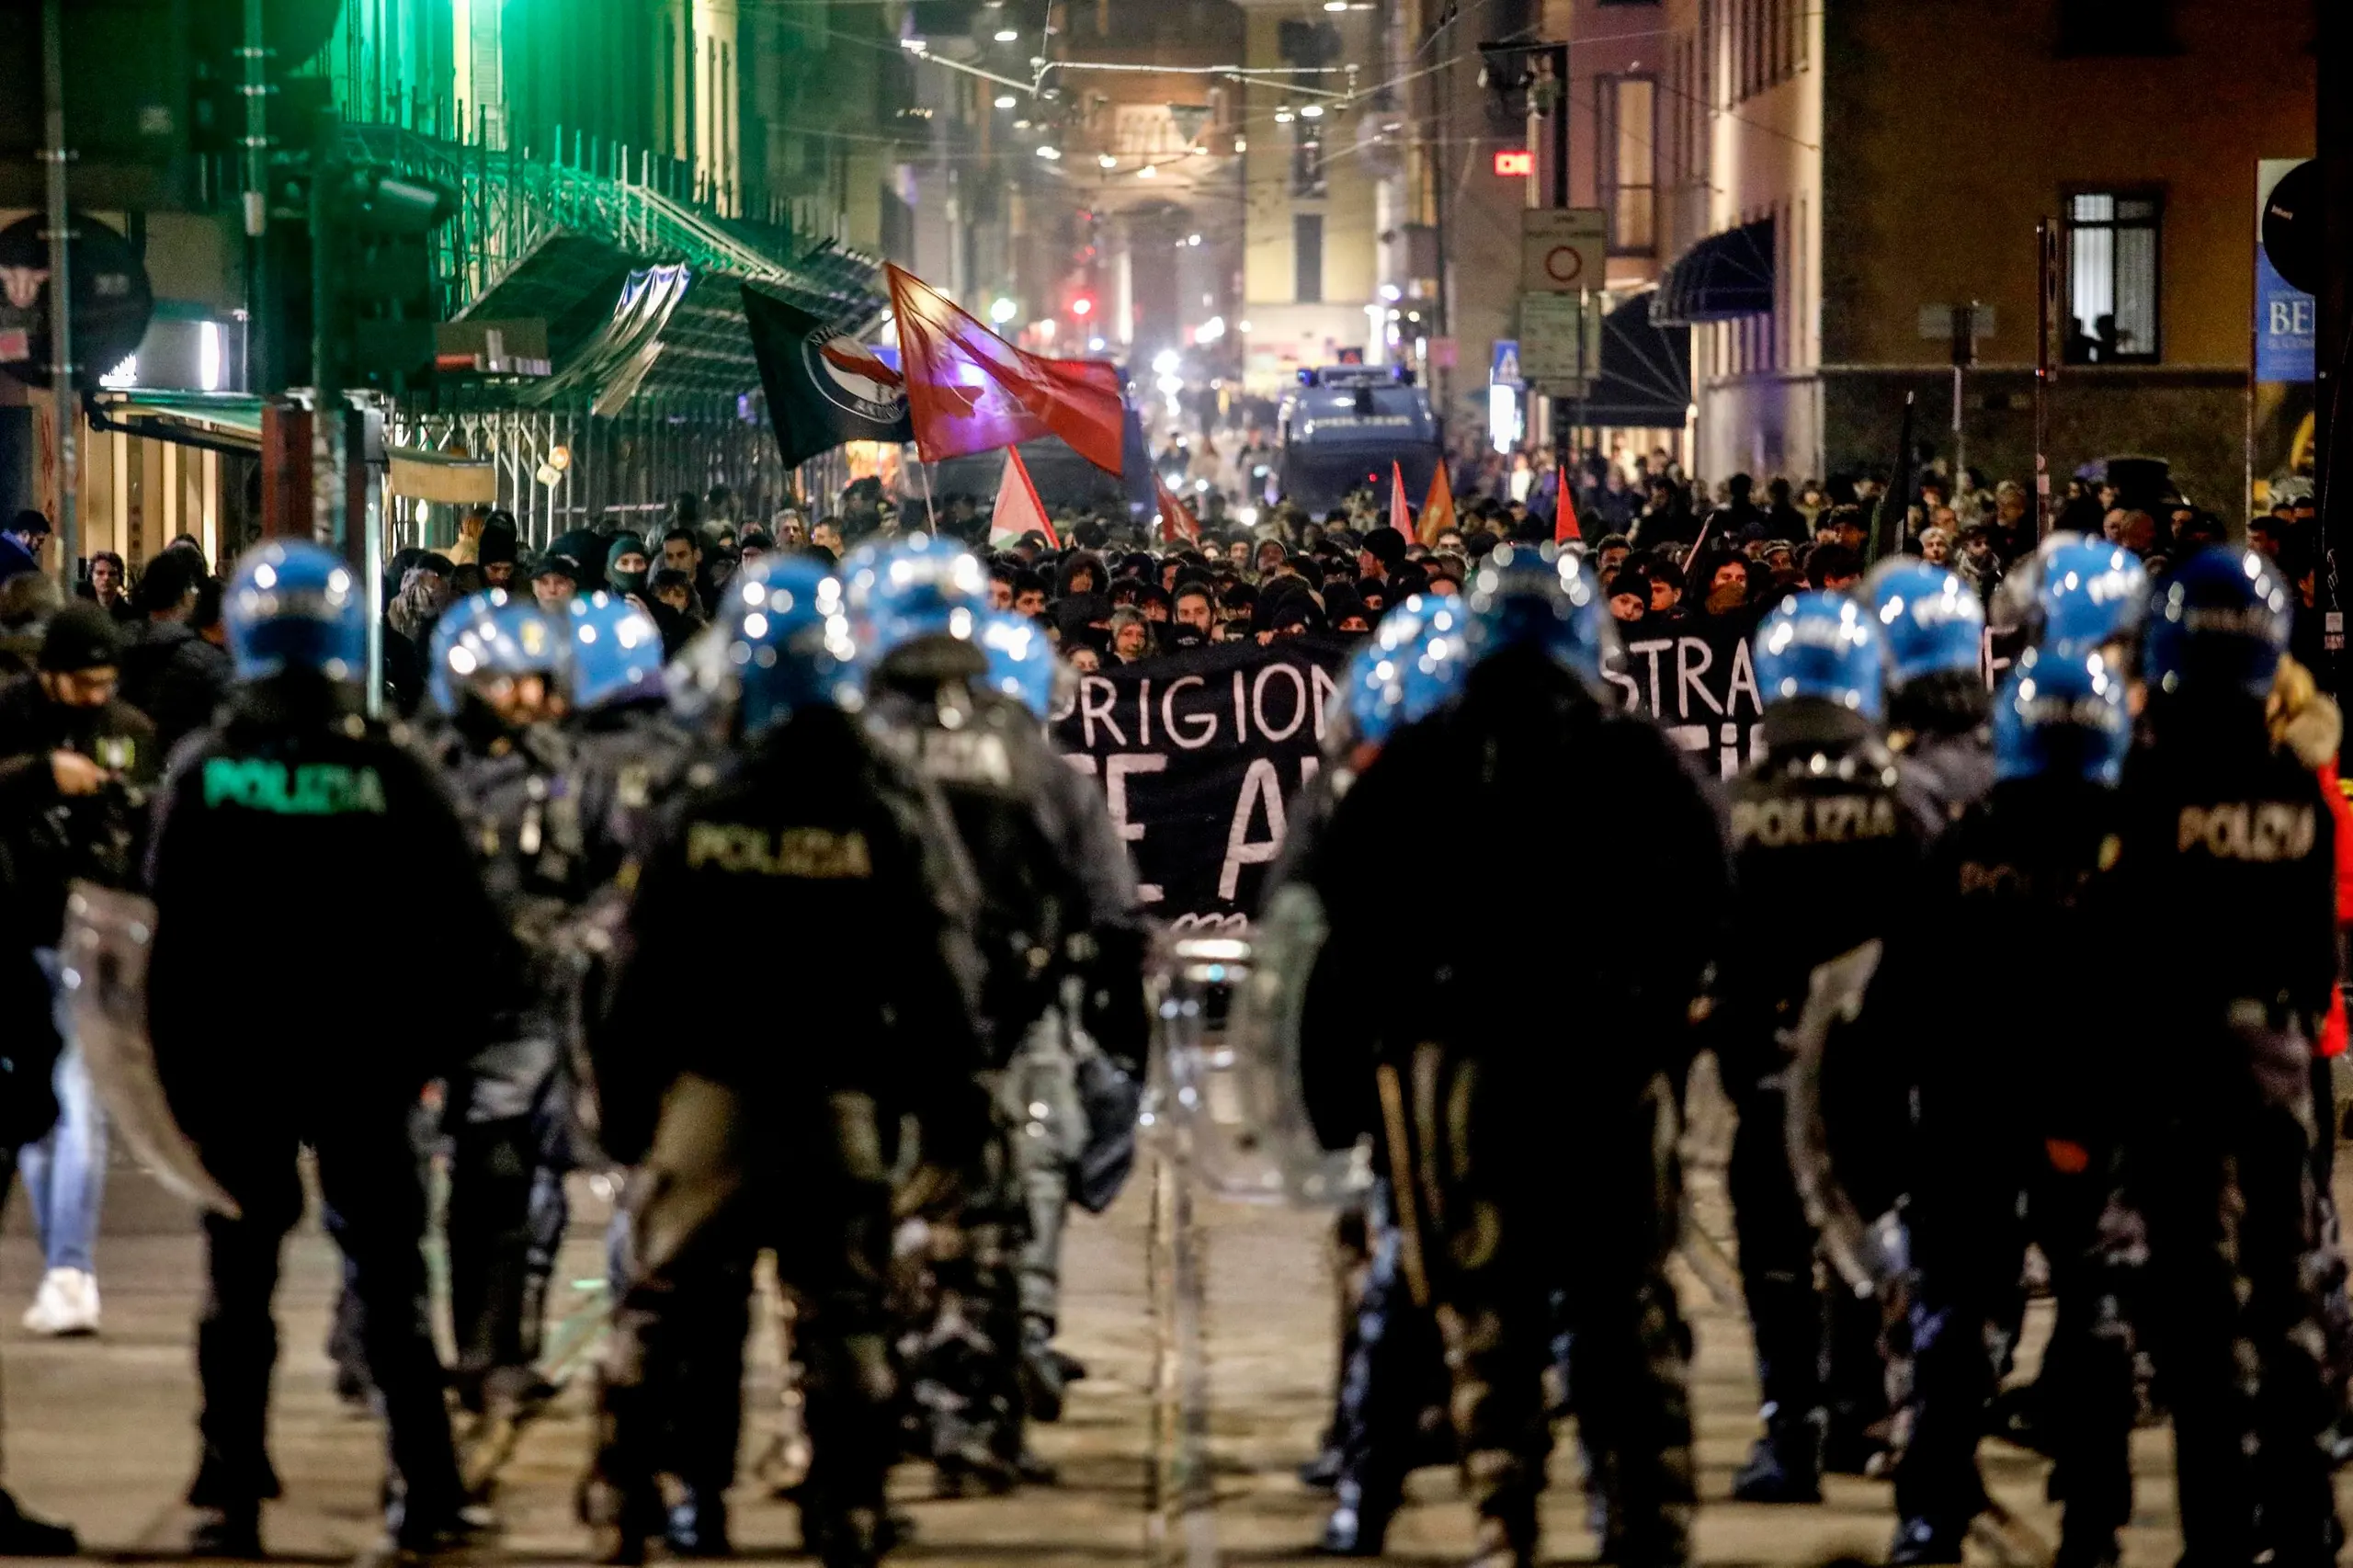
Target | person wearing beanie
(75,762)
(626,565)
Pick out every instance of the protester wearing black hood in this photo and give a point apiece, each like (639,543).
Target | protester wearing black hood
(172,672)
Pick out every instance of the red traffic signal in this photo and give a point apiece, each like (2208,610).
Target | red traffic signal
(1515,161)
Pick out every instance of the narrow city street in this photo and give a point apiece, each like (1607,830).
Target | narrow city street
(100,1431)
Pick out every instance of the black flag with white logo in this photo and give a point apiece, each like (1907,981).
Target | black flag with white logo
(824,386)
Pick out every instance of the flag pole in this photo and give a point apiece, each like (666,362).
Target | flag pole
(930,512)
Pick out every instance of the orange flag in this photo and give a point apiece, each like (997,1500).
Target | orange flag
(1401,511)
(1175,523)
(1565,519)
(1018,511)
(1438,511)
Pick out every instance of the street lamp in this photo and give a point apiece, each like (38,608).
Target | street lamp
(1311,111)
(1105,160)
(1004,100)
(1049,152)
(1002,310)
(1006,35)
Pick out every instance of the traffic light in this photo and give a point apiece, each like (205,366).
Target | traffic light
(373,286)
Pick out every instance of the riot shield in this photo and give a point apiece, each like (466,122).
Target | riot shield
(108,935)
(1252,1129)
(1833,997)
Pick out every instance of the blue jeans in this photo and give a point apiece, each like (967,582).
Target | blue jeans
(65,1173)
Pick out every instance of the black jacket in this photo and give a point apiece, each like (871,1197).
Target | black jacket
(1828,834)
(814,842)
(46,838)
(175,677)
(1058,895)
(1521,947)
(297,851)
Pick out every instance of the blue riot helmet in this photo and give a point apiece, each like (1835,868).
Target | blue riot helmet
(2062,714)
(1413,662)
(493,638)
(920,587)
(1823,646)
(293,606)
(2217,625)
(1539,596)
(1929,621)
(780,641)
(2087,593)
(1022,663)
(615,651)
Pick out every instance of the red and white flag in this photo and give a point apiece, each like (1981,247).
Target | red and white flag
(1175,522)
(1018,511)
(1401,511)
(970,390)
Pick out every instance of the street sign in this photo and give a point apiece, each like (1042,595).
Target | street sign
(1504,370)
(1515,161)
(1559,342)
(112,303)
(1562,249)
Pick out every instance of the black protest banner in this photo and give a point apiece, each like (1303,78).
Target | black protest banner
(1698,679)
(1199,754)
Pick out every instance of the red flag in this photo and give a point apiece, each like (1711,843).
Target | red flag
(1564,517)
(1438,511)
(970,390)
(1018,511)
(1401,511)
(1175,523)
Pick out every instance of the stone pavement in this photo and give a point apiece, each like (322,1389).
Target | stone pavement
(99,1431)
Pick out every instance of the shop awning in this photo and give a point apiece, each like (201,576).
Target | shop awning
(1645,380)
(215,422)
(1722,277)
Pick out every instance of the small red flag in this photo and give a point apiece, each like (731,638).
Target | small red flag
(1564,519)
(1438,511)
(1401,511)
(1175,522)
(970,390)
(1018,511)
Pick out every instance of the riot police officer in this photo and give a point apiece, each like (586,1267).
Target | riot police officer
(1937,707)
(1391,1376)
(1525,1143)
(775,1122)
(2011,1134)
(496,675)
(1826,837)
(266,819)
(1058,904)
(2221,1127)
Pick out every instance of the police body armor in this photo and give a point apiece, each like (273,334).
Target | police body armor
(1009,796)
(1824,829)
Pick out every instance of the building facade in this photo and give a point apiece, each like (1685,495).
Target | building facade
(1835,178)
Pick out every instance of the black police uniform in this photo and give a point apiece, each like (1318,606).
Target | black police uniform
(1939,726)
(1389,1399)
(279,811)
(1057,901)
(517,793)
(773,1122)
(1826,837)
(2235,836)
(1521,1105)
(2013,1141)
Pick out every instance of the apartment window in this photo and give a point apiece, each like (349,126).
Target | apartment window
(1307,257)
(2112,278)
(1629,162)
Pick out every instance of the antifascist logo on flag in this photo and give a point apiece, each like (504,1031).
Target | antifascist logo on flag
(823,386)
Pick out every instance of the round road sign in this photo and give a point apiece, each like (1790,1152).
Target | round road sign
(1563,263)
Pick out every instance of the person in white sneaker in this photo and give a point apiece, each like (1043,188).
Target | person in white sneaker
(65,1181)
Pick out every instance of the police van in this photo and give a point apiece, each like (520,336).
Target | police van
(1343,425)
